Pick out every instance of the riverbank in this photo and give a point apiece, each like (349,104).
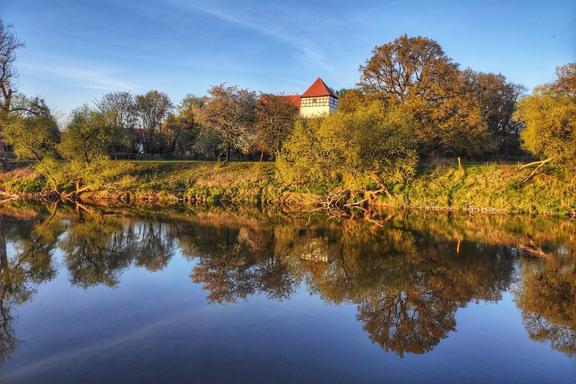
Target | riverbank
(473,187)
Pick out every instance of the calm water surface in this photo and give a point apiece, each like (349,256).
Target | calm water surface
(244,296)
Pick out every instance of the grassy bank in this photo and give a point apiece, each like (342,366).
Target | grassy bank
(163,182)
(493,187)
(475,187)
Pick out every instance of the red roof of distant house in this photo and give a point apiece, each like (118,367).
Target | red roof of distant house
(294,99)
(318,89)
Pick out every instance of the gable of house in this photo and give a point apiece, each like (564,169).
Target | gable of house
(318,100)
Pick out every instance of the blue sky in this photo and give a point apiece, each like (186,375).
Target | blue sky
(77,50)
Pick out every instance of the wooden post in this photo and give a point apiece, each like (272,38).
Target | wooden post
(459,163)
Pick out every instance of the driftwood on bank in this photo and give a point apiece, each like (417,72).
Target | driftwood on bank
(350,198)
(538,164)
(350,203)
(73,195)
(6,197)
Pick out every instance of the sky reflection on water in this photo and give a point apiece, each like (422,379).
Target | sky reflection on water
(226,295)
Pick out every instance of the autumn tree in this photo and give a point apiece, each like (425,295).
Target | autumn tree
(180,130)
(549,117)
(415,73)
(207,143)
(191,107)
(231,112)
(497,98)
(350,100)
(275,117)
(371,146)
(9,43)
(408,67)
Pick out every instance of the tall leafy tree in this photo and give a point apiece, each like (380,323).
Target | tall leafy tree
(497,98)
(231,112)
(350,100)
(120,108)
(408,67)
(33,132)
(87,136)
(549,117)
(152,109)
(180,130)
(207,143)
(85,144)
(415,73)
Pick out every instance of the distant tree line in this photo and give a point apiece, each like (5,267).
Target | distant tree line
(412,103)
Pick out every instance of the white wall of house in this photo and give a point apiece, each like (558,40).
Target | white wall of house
(317,106)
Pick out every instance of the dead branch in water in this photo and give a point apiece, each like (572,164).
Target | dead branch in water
(533,249)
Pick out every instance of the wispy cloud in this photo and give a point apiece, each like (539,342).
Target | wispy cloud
(82,76)
(272,25)
(135,336)
(299,82)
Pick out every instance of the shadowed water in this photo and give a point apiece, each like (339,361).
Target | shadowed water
(234,295)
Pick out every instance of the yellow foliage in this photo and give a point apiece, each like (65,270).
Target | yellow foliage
(369,146)
(549,116)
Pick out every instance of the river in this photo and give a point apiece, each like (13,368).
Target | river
(103,295)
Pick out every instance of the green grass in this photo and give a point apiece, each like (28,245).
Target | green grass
(474,187)
(199,181)
(495,187)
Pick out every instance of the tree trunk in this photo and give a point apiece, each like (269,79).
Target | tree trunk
(3,159)
(3,122)
(261,155)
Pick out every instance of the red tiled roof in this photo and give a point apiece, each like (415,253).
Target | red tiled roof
(319,88)
(294,99)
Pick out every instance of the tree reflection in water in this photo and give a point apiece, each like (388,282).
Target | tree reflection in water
(240,263)
(408,276)
(407,285)
(24,269)
(547,297)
